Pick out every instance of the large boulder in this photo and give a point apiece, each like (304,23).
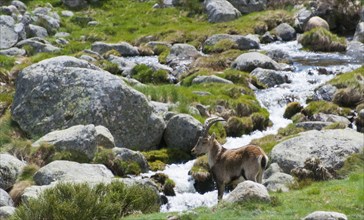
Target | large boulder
(124,48)
(10,169)
(242,42)
(359,33)
(270,78)
(5,199)
(248,6)
(250,61)
(331,147)
(182,132)
(127,155)
(321,215)
(64,91)
(301,18)
(62,170)
(248,191)
(316,22)
(79,138)
(285,32)
(8,36)
(220,11)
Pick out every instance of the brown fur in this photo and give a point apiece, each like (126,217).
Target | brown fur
(17,191)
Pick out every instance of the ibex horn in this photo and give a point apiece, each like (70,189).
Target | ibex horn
(208,123)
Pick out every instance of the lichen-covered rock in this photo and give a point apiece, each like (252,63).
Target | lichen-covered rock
(10,169)
(321,215)
(248,6)
(270,78)
(22,8)
(124,48)
(278,182)
(316,22)
(180,53)
(285,32)
(64,91)
(62,170)
(242,42)
(359,33)
(36,31)
(250,61)
(8,36)
(5,199)
(104,137)
(182,132)
(220,11)
(331,147)
(248,191)
(132,156)
(272,169)
(210,79)
(14,51)
(38,45)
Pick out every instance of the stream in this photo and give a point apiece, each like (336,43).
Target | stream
(304,79)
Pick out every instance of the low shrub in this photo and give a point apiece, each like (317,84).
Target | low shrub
(324,107)
(145,74)
(81,201)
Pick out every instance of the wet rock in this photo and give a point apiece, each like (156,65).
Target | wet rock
(325,92)
(355,49)
(332,147)
(38,45)
(8,36)
(36,31)
(5,199)
(359,121)
(220,11)
(14,51)
(267,38)
(285,32)
(75,4)
(242,42)
(278,182)
(359,33)
(182,132)
(210,79)
(250,61)
(313,125)
(320,215)
(270,78)
(124,48)
(316,22)
(182,53)
(10,169)
(246,7)
(6,212)
(76,92)
(62,170)
(132,156)
(247,191)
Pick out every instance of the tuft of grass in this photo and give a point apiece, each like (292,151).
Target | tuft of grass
(81,201)
(157,159)
(28,172)
(7,62)
(320,39)
(324,107)
(220,46)
(145,74)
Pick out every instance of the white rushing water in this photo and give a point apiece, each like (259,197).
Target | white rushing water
(274,100)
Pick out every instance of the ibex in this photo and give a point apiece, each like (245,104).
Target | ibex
(229,165)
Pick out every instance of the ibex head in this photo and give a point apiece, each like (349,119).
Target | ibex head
(205,142)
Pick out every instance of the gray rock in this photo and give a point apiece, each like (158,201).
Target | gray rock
(325,92)
(180,53)
(132,156)
(278,182)
(359,33)
(38,45)
(247,191)
(210,79)
(124,48)
(104,137)
(250,61)
(323,215)
(62,170)
(67,14)
(161,107)
(87,58)
(10,10)
(33,192)
(301,18)
(92,23)
(267,38)
(20,6)
(272,169)
(10,169)
(64,91)
(331,147)
(8,36)
(36,31)
(79,138)
(316,22)
(62,41)
(270,78)
(248,6)
(330,118)
(285,32)
(20,29)
(14,51)
(124,65)
(355,49)
(62,34)
(220,11)
(5,199)
(313,125)
(242,42)
(279,56)
(50,23)
(6,211)
(182,132)
(153,44)
(75,4)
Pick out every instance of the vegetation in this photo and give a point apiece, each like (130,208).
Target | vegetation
(81,201)
(324,107)
(157,159)
(145,74)
(320,39)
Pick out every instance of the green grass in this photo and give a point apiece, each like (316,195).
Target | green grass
(324,107)
(320,39)
(352,80)
(7,62)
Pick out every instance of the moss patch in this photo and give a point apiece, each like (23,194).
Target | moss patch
(157,159)
(320,39)
(324,107)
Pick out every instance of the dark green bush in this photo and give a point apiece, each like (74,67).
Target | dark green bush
(82,202)
(145,74)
